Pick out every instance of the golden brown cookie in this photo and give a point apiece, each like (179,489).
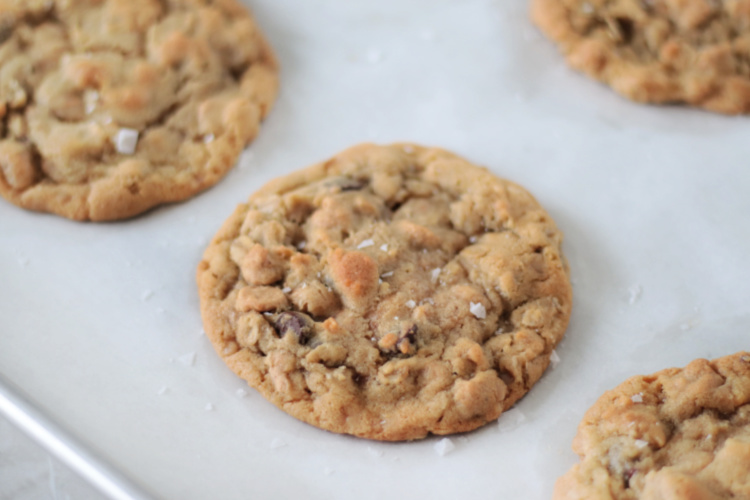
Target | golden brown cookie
(110,107)
(389,292)
(657,51)
(679,434)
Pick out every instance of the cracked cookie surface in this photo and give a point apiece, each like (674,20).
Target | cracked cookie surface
(679,434)
(111,107)
(657,51)
(388,293)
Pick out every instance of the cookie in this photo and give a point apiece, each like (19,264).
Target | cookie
(679,434)
(388,293)
(110,107)
(695,52)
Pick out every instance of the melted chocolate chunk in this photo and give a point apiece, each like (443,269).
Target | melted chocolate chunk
(358,378)
(296,323)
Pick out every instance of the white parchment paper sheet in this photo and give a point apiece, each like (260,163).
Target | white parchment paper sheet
(99,322)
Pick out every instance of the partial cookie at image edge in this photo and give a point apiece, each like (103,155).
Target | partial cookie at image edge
(656,52)
(152,103)
(681,433)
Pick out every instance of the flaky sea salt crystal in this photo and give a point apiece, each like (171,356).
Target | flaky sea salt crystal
(286,289)
(637,398)
(408,149)
(478,310)
(510,419)
(277,443)
(365,244)
(301,245)
(554,359)
(90,98)
(208,139)
(472,239)
(126,141)
(435,273)
(241,393)
(635,292)
(640,443)
(187,359)
(411,304)
(384,247)
(444,446)
(387,275)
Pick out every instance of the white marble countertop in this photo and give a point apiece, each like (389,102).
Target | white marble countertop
(100,322)
(29,472)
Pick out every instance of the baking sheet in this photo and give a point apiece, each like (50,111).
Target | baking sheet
(100,323)
(27,472)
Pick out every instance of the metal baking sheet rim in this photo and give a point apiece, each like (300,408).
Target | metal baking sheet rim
(27,417)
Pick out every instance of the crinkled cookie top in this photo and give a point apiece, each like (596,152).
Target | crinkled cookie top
(389,293)
(661,51)
(110,107)
(680,434)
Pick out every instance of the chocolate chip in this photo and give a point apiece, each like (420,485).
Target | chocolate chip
(296,323)
(627,476)
(626,27)
(349,184)
(621,29)
(6,29)
(407,342)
